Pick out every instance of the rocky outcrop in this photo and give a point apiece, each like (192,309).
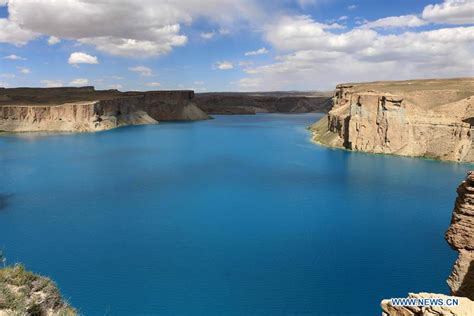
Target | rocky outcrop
(25,293)
(81,110)
(460,236)
(425,118)
(269,102)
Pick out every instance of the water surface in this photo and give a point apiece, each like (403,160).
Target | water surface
(240,215)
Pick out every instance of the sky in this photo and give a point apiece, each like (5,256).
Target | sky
(232,45)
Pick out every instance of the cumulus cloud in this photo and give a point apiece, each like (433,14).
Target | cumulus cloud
(82,58)
(450,12)
(352,7)
(23,70)
(198,83)
(52,83)
(260,51)
(142,70)
(11,32)
(313,57)
(224,65)
(14,57)
(396,22)
(125,28)
(79,82)
(53,40)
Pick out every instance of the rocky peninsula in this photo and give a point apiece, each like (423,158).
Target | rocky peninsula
(460,236)
(422,118)
(85,109)
(263,102)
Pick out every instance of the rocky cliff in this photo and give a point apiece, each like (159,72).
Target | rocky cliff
(263,102)
(460,236)
(85,109)
(25,293)
(426,118)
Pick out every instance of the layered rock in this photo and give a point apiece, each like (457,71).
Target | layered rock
(84,109)
(460,236)
(427,118)
(25,293)
(266,102)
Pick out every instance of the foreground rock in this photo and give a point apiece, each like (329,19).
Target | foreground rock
(264,102)
(425,118)
(460,236)
(85,109)
(24,293)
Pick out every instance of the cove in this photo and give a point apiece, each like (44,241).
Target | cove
(240,215)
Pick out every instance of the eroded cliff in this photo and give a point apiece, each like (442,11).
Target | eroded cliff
(426,118)
(263,102)
(85,109)
(460,236)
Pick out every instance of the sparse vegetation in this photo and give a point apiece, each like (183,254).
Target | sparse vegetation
(25,293)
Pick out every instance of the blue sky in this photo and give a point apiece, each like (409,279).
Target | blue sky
(207,45)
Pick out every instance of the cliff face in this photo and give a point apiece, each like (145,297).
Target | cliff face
(460,236)
(77,110)
(24,293)
(427,118)
(269,102)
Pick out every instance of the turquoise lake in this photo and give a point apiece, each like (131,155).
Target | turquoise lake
(240,215)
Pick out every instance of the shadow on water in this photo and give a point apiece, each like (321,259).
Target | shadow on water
(4,200)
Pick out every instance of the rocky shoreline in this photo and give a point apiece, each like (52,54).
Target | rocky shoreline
(418,118)
(87,110)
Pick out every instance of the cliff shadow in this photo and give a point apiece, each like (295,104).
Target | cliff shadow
(467,286)
(4,200)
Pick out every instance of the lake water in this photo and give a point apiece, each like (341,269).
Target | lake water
(241,215)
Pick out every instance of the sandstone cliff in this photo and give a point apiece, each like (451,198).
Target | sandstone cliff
(85,109)
(263,102)
(426,118)
(24,293)
(460,236)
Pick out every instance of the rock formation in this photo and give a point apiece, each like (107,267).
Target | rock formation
(426,118)
(264,102)
(24,293)
(85,109)
(460,236)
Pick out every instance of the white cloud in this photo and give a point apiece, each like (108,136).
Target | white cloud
(142,70)
(52,83)
(260,51)
(207,35)
(343,18)
(352,7)
(23,70)
(313,57)
(14,57)
(53,40)
(11,32)
(224,65)
(125,28)
(79,82)
(396,21)
(450,12)
(198,83)
(7,75)
(82,58)
(153,84)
